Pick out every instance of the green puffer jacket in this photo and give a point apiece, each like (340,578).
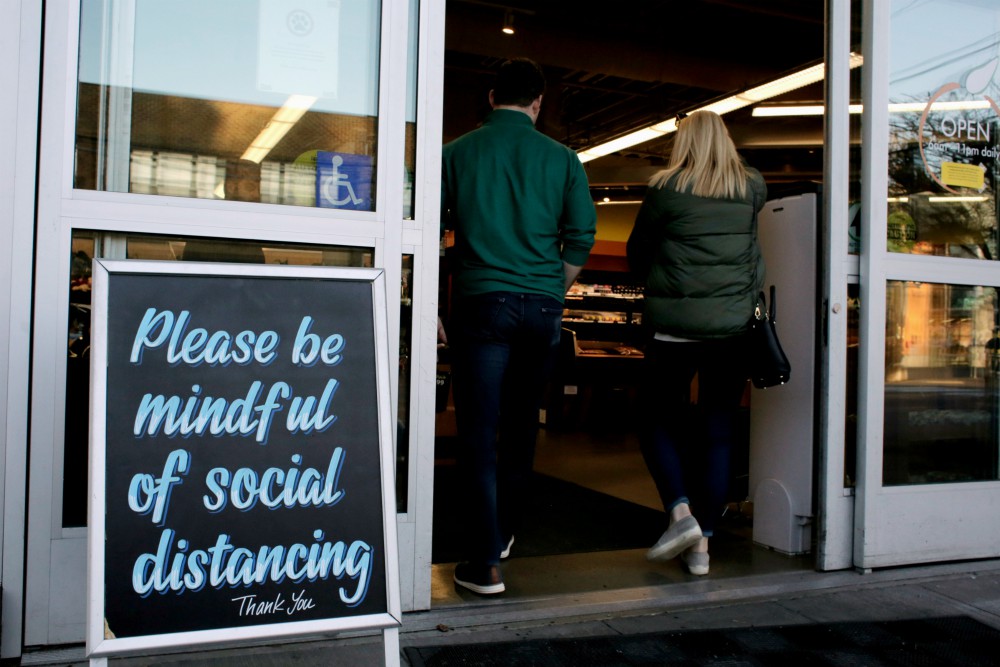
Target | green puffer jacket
(699,260)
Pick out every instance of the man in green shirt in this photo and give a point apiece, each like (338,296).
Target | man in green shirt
(524,221)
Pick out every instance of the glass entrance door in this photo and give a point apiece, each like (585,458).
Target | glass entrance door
(248,131)
(928,478)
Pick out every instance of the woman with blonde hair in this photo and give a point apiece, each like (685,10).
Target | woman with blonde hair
(694,246)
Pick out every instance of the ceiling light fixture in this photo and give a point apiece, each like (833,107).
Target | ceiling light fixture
(508,23)
(902,107)
(281,122)
(955,200)
(796,110)
(754,95)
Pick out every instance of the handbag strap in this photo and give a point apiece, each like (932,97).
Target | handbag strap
(759,299)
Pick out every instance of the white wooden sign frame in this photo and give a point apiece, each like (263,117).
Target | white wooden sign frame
(99,648)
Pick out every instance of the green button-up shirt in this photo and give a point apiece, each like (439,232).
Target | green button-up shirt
(520,205)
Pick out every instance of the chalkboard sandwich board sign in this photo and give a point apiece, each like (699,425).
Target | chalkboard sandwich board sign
(241,448)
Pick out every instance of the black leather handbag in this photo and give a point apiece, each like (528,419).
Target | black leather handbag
(769,366)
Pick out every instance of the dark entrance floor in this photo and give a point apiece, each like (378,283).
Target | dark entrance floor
(608,549)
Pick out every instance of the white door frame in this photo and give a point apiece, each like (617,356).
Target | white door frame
(835,502)
(421,237)
(20,62)
(903,524)
(54,596)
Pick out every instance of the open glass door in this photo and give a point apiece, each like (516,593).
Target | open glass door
(927,487)
(838,364)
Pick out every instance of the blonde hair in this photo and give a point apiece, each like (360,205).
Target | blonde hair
(704,158)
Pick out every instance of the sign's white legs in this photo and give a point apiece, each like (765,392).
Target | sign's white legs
(390,637)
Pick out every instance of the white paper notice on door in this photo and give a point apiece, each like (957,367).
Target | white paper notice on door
(297,53)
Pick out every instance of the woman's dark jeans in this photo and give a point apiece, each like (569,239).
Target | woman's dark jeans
(504,345)
(687,447)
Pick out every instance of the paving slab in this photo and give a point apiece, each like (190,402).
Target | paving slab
(788,599)
(898,601)
(726,616)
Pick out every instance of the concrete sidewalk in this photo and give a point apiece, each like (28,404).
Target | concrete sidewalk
(969,589)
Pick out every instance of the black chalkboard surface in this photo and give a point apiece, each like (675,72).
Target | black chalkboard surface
(239,454)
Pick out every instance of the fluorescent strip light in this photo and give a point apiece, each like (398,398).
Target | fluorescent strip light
(255,154)
(898,200)
(620,202)
(905,107)
(722,107)
(294,108)
(949,200)
(785,84)
(632,139)
(760,93)
(666,126)
(799,110)
(283,120)
(902,107)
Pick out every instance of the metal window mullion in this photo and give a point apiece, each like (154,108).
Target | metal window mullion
(945,270)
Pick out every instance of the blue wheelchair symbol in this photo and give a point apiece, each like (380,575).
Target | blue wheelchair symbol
(344,180)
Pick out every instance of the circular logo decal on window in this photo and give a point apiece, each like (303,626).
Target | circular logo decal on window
(957,149)
(299,22)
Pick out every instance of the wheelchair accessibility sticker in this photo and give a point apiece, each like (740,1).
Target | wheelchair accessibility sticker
(344,180)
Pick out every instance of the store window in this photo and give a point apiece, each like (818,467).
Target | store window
(944,128)
(942,383)
(247,100)
(86,246)
(942,395)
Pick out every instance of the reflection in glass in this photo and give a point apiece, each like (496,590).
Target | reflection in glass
(405,373)
(851,402)
(149,246)
(410,150)
(944,139)
(941,383)
(85,247)
(76,429)
(248,100)
(854,128)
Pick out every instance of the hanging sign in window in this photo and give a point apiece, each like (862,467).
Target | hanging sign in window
(298,47)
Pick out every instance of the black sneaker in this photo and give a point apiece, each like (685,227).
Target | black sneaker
(482,579)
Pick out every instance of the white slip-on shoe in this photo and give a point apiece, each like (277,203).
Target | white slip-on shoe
(696,562)
(679,536)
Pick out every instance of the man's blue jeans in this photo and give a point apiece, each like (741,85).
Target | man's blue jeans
(504,345)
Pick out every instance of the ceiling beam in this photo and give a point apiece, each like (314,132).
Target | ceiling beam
(633,60)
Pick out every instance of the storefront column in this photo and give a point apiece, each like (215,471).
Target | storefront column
(20,60)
